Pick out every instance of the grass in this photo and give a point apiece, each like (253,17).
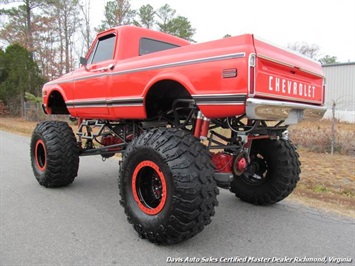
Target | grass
(327,181)
(320,188)
(316,137)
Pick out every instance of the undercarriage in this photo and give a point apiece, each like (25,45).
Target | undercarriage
(228,140)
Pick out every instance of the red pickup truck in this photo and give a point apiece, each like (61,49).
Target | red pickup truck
(186,119)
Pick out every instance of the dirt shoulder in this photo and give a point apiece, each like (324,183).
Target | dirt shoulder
(327,181)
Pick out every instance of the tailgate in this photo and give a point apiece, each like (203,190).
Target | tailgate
(285,76)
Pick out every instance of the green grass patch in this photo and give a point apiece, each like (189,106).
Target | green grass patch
(320,189)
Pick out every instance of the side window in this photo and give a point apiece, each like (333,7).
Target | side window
(92,54)
(148,46)
(104,49)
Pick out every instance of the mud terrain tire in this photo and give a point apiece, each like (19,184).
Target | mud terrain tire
(54,154)
(166,186)
(276,162)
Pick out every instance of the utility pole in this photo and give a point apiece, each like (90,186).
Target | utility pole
(333,129)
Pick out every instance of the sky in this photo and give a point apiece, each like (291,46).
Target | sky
(330,24)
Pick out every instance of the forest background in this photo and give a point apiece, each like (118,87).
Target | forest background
(44,39)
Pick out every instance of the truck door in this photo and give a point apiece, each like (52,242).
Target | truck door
(90,89)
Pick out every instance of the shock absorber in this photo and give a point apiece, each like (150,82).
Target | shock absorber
(202,126)
(205,127)
(198,124)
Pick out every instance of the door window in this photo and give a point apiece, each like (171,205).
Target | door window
(104,49)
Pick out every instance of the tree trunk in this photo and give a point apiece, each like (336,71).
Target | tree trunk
(29,28)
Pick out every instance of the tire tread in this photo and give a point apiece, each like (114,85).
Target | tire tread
(287,171)
(195,188)
(62,154)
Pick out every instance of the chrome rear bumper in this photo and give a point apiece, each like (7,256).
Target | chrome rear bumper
(292,113)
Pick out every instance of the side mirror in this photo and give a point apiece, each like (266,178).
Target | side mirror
(84,62)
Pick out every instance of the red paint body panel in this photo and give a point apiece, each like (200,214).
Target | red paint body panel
(116,89)
(287,76)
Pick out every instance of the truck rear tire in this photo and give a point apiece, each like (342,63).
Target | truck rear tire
(166,186)
(271,175)
(54,154)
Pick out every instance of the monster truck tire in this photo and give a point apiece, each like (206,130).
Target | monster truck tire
(276,162)
(166,186)
(54,154)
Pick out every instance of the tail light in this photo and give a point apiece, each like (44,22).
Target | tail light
(252,63)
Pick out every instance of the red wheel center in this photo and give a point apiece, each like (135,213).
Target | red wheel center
(149,187)
(40,155)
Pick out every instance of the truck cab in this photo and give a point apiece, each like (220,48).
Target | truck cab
(90,85)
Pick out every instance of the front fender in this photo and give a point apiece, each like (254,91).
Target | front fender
(49,90)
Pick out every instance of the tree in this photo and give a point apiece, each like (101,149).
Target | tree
(179,26)
(165,15)
(15,29)
(32,98)
(117,12)
(328,60)
(310,50)
(54,31)
(62,23)
(46,41)
(36,31)
(66,14)
(19,74)
(20,27)
(86,31)
(146,17)
(3,68)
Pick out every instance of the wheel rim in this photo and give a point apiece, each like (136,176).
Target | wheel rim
(149,187)
(256,172)
(40,155)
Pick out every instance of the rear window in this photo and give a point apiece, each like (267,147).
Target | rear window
(148,46)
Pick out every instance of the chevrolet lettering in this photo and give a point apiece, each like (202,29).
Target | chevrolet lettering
(291,88)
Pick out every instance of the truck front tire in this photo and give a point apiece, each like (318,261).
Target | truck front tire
(166,186)
(271,175)
(54,154)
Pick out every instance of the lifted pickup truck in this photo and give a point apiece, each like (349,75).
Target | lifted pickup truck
(186,119)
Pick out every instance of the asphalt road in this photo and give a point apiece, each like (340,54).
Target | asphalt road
(83,224)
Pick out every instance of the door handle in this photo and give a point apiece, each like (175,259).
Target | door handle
(103,69)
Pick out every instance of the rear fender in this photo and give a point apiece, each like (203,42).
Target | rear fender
(161,92)
(169,75)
